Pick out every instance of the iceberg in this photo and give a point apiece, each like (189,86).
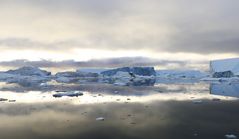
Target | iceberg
(26,76)
(141,71)
(189,74)
(73,77)
(87,74)
(224,68)
(29,71)
(230,136)
(130,76)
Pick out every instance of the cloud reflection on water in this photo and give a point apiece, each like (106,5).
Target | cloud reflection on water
(158,120)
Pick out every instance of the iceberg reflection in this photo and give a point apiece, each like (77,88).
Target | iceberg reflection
(225,89)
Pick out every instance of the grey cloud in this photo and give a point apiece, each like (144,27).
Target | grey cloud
(205,42)
(104,63)
(25,43)
(203,27)
(93,7)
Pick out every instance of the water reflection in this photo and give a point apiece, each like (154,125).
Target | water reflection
(225,89)
(105,93)
(162,111)
(167,120)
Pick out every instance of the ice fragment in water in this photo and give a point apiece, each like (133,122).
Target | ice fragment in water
(100,119)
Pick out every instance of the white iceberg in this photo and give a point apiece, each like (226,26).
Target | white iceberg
(26,76)
(224,68)
(75,77)
(128,79)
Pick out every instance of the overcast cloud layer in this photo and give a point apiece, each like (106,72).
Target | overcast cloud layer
(110,63)
(208,26)
(171,33)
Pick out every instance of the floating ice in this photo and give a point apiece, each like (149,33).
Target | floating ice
(189,74)
(231,136)
(197,101)
(26,76)
(100,119)
(69,94)
(3,99)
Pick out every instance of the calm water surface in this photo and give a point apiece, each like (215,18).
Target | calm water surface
(163,111)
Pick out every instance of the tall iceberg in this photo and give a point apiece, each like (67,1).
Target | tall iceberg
(224,68)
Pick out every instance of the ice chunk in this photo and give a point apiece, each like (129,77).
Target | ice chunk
(3,99)
(216,99)
(72,77)
(12,101)
(69,94)
(181,74)
(224,74)
(197,101)
(231,136)
(100,119)
(29,71)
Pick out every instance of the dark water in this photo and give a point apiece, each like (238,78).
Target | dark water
(163,111)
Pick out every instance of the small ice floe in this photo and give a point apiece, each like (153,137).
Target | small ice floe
(197,101)
(11,100)
(69,94)
(195,134)
(216,99)
(43,84)
(3,99)
(100,119)
(231,136)
(120,84)
(60,91)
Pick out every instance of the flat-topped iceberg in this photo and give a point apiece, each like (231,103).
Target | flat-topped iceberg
(73,77)
(141,71)
(224,68)
(135,76)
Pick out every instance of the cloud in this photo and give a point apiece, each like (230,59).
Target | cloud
(108,63)
(202,27)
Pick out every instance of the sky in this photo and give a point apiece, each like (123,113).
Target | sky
(86,30)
